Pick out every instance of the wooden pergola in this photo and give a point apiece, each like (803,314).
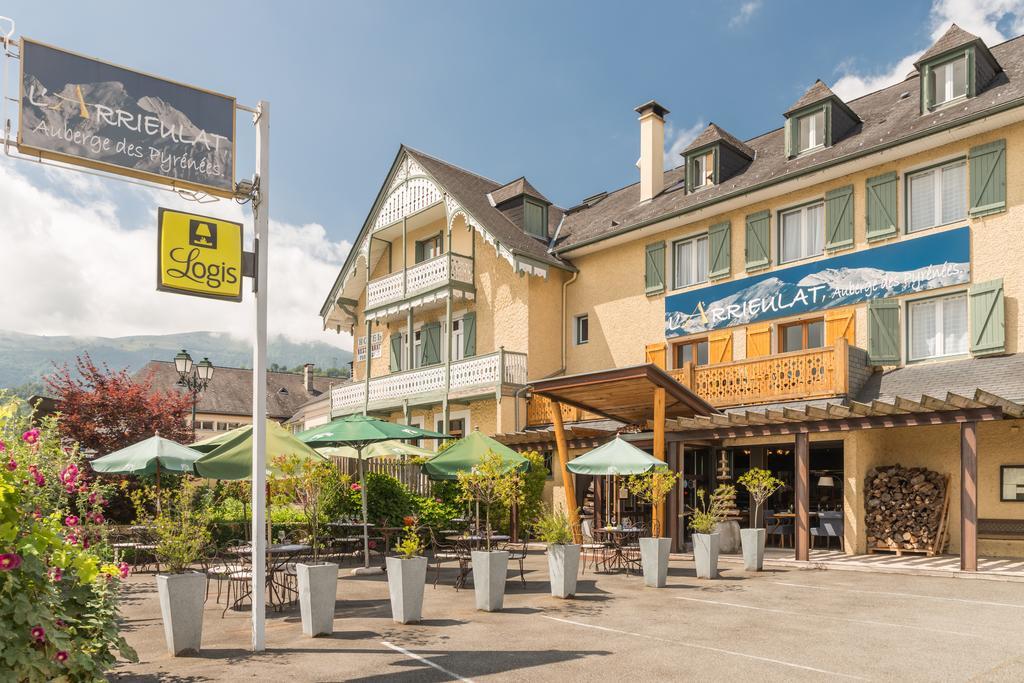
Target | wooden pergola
(853,416)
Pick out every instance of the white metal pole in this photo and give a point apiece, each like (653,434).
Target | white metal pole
(261,220)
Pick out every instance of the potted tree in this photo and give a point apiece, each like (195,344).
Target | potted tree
(705,516)
(652,487)
(489,484)
(407,574)
(303,482)
(182,536)
(563,555)
(760,484)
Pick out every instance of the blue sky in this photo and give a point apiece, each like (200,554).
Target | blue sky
(542,89)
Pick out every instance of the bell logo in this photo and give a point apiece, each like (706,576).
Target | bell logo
(202,234)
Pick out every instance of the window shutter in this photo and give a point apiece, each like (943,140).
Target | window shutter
(757,243)
(719,252)
(654,271)
(792,131)
(655,353)
(988,178)
(469,335)
(396,352)
(988,318)
(839,218)
(884,332)
(881,206)
(419,252)
(841,323)
(430,344)
(759,340)
(720,347)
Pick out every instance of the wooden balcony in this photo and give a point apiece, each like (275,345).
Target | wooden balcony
(441,271)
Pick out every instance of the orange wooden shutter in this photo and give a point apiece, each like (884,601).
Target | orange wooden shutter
(759,340)
(841,323)
(720,347)
(655,353)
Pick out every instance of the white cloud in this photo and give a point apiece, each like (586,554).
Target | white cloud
(72,264)
(991,20)
(678,140)
(746,12)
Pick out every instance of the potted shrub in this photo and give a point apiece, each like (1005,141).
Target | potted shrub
(303,482)
(760,484)
(489,484)
(710,510)
(652,487)
(407,574)
(182,536)
(563,555)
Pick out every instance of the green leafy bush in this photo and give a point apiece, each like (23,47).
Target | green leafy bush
(435,513)
(388,500)
(534,480)
(182,527)
(553,528)
(710,510)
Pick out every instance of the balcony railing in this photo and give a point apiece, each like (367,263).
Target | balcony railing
(469,376)
(422,277)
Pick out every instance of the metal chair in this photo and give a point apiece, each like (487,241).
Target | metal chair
(517,553)
(596,551)
(441,552)
(239,580)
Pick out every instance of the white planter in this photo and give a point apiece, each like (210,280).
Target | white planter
(728,536)
(563,567)
(318,590)
(654,558)
(181,603)
(406,578)
(753,548)
(489,572)
(705,555)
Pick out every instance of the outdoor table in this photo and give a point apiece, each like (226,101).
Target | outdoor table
(282,554)
(779,517)
(472,542)
(616,536)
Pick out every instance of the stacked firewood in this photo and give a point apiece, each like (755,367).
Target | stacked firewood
(904,507)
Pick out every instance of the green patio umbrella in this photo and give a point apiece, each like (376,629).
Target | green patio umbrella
(229,455)
(617,457)
(148,457)
(381,449)
(359,432)
(467,453)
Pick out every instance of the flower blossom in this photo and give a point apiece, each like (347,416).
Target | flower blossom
(61,656)
(125,570)
(56,574)
(356,487)
(12,465)
(71,520)
(9,561)
(3,447)
(31,436)
(69,474)
(38,633)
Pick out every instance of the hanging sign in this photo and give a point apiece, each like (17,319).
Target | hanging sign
(908,266)
(199,255)
(82,111)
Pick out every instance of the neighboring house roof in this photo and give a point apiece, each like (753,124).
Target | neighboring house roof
(313,405)
(230,392)
(519,186)
(715,133)
(1001,375)
(890,116)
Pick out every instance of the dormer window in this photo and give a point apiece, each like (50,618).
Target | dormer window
(818,119)
(948,81)
(702,170)
(957,66)
(535,217)
(812,130)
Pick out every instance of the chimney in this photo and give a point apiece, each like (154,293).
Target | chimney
(307,377)
(652,149)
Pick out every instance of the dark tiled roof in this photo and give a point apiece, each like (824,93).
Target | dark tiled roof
(715,133)
(471,190)
(953,38)
(1000,375)
(816,93)
(517,187)
(888,117)
(230,392)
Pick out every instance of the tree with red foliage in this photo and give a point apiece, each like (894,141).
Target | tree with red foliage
(105,410)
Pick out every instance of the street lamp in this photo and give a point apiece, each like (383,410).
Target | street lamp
(194,377)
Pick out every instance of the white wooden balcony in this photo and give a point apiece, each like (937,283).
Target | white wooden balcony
(423,277)
(474,376)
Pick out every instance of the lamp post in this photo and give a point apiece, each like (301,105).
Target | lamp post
(194,377)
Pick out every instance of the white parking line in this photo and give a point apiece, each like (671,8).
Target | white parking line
(709,648)
(901,595)
(426,661)
(837,618)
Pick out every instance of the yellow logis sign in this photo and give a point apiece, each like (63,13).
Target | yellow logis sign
(199,255)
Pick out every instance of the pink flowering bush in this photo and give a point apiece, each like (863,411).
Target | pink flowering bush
(58,579)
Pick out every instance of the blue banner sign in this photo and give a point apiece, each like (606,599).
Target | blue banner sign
(910,265)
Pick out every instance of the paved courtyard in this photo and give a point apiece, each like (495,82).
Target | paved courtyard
(783,624)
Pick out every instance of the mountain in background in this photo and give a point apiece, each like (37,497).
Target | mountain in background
(25,358)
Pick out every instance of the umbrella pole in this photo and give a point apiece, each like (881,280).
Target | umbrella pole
(157,488)
(366,529)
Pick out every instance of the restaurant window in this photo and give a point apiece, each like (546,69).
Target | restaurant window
(938,327)
(582,324)
(937,196)
(948,81)
(802,232)
(690,261)
(807,334)
(695,352)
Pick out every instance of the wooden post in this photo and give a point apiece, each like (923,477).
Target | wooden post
(968,496)
(802,494)
(563,460)
(675,463)
(658,513)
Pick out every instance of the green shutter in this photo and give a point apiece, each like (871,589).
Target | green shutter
(430,344)
(719,250)
(881,206)
(654,271)
(988,318)
(396,352)
(839,218)
(792,130)
(469,335)
(535,218)
(988,178)
(757,250)
(884,332)
(419,252)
